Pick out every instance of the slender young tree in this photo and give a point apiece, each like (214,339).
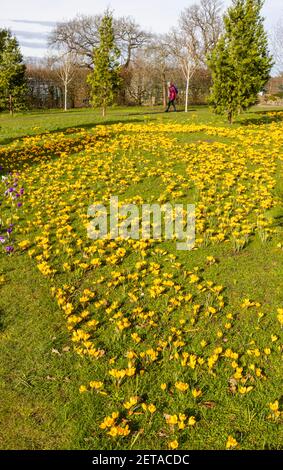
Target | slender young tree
(65,68)
(13,85)
(240,62)
(105,78)
(184,52)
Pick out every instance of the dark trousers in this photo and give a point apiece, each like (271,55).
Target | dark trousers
(169,104)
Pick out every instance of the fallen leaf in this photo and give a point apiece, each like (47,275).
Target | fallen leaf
(232,385)
(55,351)
(209,404)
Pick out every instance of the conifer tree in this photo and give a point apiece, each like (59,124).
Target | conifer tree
(13,85)
(240,62)
(105,78)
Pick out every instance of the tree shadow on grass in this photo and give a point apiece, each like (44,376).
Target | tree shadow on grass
(160,112)
(12,158)
(2,324)
(15,154)
(277,221)
(114,118)
(67,129)
(262,117)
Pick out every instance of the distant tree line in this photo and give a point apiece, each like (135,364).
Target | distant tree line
(100,60)
(48,84)
(149,61)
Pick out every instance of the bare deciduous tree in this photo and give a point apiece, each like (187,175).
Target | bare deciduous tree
(199,29)
(179,53)
(140,79)
(183,50)
(129,37)
(80,35)
(278,45)
(203,24)
(160,55)
(65,68)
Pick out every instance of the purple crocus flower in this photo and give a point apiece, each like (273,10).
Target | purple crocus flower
(19,204)
(9,249)
(2,240)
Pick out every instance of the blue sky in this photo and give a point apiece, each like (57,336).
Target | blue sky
(32,20)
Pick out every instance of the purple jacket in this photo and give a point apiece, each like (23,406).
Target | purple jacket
(172,93)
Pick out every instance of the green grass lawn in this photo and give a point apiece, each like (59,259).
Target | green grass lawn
(65,162)
(36,122)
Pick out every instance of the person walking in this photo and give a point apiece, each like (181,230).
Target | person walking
(172,95)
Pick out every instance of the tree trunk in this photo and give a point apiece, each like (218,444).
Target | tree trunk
(103,111)
(65,97)
(230,117)
(187,93)
(129,55)
(11,104)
